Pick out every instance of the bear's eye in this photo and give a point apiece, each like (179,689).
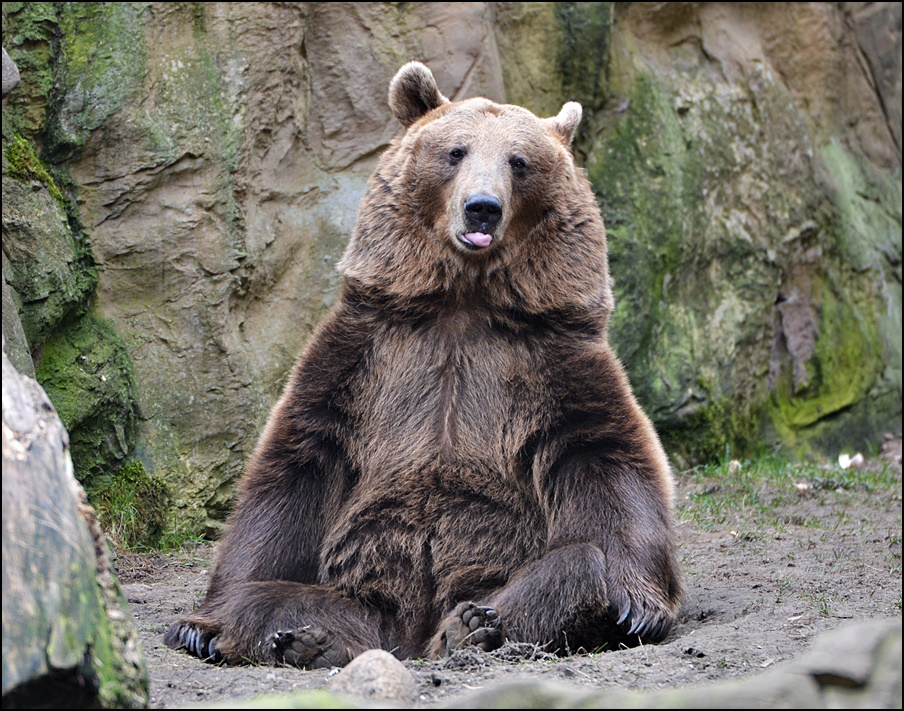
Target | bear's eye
(456,155)
(519,165)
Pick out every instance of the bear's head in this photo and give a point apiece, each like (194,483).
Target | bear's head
(480,199)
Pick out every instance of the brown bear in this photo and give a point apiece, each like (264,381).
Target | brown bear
(457,458)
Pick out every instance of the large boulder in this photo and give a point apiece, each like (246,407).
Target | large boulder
(68,640)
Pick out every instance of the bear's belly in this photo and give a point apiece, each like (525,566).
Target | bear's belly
(430,548)
(443,506)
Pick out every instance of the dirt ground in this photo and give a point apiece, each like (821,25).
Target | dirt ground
(768,566)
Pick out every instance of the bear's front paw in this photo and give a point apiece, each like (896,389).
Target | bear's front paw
(471,625)
(308,647)
(645,616)
(194,639)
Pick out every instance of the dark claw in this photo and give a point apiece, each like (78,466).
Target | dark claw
(213,650)
(660,631)
(654,631)
(639,626)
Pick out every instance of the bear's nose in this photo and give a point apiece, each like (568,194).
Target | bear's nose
(483,212)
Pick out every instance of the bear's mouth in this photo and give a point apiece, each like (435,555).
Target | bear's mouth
(476,240)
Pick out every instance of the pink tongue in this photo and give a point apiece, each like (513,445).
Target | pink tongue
(479,239)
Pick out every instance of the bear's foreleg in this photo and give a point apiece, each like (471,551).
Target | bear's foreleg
(310,626)
(559,601)
(609,574)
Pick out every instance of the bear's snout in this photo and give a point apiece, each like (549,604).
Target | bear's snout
(483,213)
(482,216)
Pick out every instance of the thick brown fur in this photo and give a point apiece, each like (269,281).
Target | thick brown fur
(457,457)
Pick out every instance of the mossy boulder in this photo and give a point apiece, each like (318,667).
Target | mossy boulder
(68,641)
(48,268)
(87,372)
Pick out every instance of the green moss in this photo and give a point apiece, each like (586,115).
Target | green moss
(87,373)
(696,270)
(583,50)
(844,365)
(716,430)
(868,239)
(101,65)
(24,165)
(48,261)
(29,35)
(648,185)
(869,206)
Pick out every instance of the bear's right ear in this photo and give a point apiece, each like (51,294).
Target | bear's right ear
(413,92)
(567,121)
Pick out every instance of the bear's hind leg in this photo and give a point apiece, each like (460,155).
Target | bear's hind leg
(275,622)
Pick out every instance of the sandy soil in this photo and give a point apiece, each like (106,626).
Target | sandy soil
(766,570)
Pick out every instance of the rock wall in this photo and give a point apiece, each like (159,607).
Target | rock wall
(211,156)
(749,167)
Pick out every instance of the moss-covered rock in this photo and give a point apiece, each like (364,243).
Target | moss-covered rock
(30,30)
(48,264)
(24,165)
(68,641)
(87,372)
(98,69)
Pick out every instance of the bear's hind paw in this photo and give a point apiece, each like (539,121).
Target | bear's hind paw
(472,625)
(308,647)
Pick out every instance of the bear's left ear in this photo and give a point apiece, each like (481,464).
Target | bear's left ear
(567,121)
(413,92)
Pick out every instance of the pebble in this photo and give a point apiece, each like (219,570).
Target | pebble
(378,676)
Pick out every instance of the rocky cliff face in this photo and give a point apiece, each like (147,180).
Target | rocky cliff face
(210,158)
(750,172)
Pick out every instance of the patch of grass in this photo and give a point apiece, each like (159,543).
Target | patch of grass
(821,602)
(770,493)
(175,539)
(131,506)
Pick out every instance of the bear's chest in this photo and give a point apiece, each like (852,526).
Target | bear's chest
(447,399)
